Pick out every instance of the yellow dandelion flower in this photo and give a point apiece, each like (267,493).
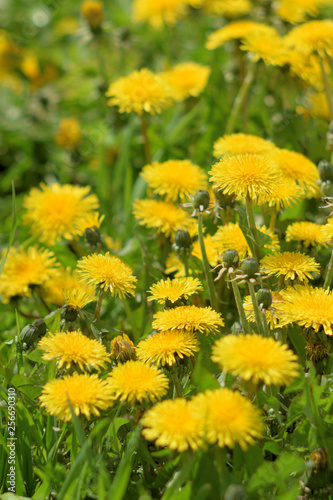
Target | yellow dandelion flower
(327,230)
(93,12)
(25,269)
(173,290)
(113,244)
(65,279)
(307,68)
(159,12)
(309,307)
(174,424)
(87,394)
(246,175)
(30,66)
(107,272)
(316,351)
(176,266)
(77,298)
(211,250)
(141,91)
(227,8)
(234,144)
(231,236)
(162,347)
(274,316)
(257,359)
(296,11)
(313,37)
(74,348)
(236,31)
(122,348)
(308,233)
(53,212)
(160,215)
(285,194)
(290,265)
(137,381)
(69,133)
(89,220)
(174,179)
(297,167)
(271,50)
(317,106)
(190,318)
(229,418)
(187,79)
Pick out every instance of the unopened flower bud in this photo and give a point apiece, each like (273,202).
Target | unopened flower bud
(122,348)
(325,170)
(183,243)
(93,11)
(230,258)
(264,298)
(201,199)
(249,267)
(40,326)
(224,200)
(93,235)
(31,333)
(69,314)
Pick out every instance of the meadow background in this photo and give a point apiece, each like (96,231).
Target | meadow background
(57,66)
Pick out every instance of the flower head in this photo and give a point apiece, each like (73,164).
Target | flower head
(227,8)
(26,268)
(77,298)
(107,272)
(190,318)
(313,37)
(187,79)
(174,424)
(173,290)
(229,418)
(87,394)
(290,265)
(141,91)
(271,50)
(69,133)
(54,212)
(65,284)
(93,12)
(246,175)
(163,216)
(137,381)
(162,347)
(256,358)
(74,347)
(296,11)
(174,179)
(234,144)
(308,233)
(159,12)
(308,307)
(285,194)
(122,348)
(237,30)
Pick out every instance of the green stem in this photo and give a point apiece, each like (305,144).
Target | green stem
(240,99)
(132,321)
(329,275)
(176,384)
(273,220)
(253,228)
(240,308)
(99,305)
(265,324)
(146,143)
(185,262)
(256,310)
(208,275)
(327,86)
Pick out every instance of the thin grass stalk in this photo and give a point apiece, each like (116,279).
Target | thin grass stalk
(253,229)
(240,99)
(239,303)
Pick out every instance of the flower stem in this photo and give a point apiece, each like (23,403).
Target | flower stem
(327,86)
(185,262)
(240,99)
(273,220)
(329,275)
(176,383)
(208,276)
(240,308)
(253,228)
(99,305)
(144,130)
(256,310)
(264,324)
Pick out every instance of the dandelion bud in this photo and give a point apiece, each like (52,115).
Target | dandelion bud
(183,243)
(93,12)
(224,200)
(93,235)
(201,199)
(325,170)
(250,267)
(69,134)
(264,298)
(230,258)
(31,333)
(40,326)
(69,314)
(122,348)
